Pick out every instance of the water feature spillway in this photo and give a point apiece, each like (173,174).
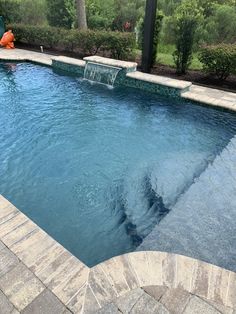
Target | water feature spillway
(101,73)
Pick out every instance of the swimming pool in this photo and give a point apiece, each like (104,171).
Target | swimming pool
(99,168)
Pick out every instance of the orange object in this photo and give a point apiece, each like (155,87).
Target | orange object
(7,40)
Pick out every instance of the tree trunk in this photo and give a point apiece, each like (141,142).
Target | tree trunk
(81,14)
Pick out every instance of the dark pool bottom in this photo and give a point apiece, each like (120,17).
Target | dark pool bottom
(96,168)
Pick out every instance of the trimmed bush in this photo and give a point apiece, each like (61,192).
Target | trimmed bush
(112,44)
(219,60)
(186,20)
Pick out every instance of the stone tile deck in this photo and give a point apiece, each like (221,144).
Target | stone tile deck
(212,97)
(38,275)
(25,55)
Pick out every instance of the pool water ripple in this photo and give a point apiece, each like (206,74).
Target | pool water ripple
(99,168)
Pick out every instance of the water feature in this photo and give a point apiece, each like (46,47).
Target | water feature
(98,168)
(100,73)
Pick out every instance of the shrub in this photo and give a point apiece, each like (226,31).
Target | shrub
(98,22)
(10,10)
(113,44)
(27,11)
(186,21)
(219,60)
(121,45)
(61,13)
(38,35)
(220,27)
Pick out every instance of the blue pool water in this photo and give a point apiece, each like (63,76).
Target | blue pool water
(99,168)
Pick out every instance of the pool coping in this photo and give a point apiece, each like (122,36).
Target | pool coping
(33,265)
(158,84)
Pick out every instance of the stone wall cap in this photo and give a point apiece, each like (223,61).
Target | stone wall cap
(112,62)
(69,60)
(161,80)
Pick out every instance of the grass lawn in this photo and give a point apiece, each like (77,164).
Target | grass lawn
(165,56)
(167,59)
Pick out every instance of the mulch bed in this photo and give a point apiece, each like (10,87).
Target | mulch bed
(197,77)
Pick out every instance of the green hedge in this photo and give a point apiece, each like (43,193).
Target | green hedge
(113,44)
(219,60)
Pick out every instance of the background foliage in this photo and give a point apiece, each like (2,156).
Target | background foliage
(212,22)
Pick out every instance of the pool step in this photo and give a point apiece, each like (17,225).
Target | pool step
(202,223)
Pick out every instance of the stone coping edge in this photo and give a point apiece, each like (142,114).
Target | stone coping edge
(203,99)
(160,80)
(112,62)
(78,286)
(70,61)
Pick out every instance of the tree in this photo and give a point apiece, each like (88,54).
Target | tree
(186,20)
(168,7)
(10,10)
(61,13)
(208,5)
(220,27)
(100,13)
(81,14)
(33,12)
(127,11)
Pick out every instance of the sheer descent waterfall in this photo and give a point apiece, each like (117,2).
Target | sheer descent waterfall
(103,74)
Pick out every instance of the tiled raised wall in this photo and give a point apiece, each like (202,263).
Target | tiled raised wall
(151,87)
(128,76)
(71,68)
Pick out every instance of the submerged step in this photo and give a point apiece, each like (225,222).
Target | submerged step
(202,223)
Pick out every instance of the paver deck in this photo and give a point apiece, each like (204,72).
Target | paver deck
(38,275)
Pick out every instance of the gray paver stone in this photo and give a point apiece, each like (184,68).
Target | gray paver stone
(5,305)
(110,308)
(220,307)
(45,303)
(155,291)
(20,286)
(148,305)
(7,261)
(67,311)
(2,246)
(199,306)
(175,300)
(127,301)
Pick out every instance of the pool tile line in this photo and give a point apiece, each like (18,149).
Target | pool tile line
(130,77)
(27,273)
